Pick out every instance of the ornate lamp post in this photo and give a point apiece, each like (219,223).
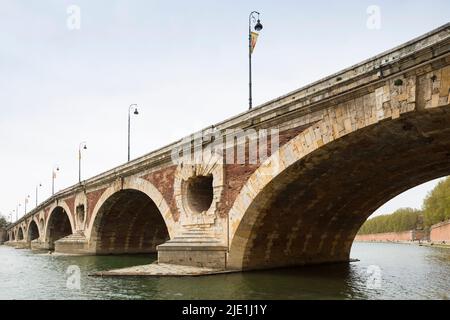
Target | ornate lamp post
(26,201)
(252,36)
(81,147)
(55,169)
(17,211)
(37,187)
(129,124)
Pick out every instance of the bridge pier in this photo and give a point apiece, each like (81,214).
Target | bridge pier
(37,245)
(207,254)
(9,243)
(73,244)
(72,247)
(19,244)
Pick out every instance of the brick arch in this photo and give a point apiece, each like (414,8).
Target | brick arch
(58,213)
(139,184)
(300,207)
(63,205)
(32,230)
(20,234)
(149,217)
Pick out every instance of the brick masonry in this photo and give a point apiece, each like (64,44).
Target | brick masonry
(440,232)
(164,179)
(70,202)
(92,199)
(410,235)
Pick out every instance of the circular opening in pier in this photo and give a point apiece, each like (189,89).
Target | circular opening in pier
(199,193)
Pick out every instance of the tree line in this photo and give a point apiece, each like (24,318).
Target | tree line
(3,222)
(435,209)
(401,220)
(436,206)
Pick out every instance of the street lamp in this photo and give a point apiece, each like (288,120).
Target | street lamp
(82,147)
(252,37)
(129,117)
(55,169)
(17,211)
(37,187)
(26,201)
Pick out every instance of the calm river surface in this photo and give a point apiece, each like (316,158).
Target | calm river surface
(385,271)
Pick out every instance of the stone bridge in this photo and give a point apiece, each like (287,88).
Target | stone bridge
(327,156)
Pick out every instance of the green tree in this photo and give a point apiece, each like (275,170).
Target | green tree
(436,206)
(3,222)
(401,220)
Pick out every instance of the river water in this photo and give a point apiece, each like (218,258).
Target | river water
(385,271)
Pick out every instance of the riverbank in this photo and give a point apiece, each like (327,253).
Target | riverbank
(417,243)
(408,235)
(436,245)
(437,234)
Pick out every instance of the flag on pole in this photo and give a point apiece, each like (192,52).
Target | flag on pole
(253,39)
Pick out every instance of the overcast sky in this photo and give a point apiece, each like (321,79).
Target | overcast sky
(183,62)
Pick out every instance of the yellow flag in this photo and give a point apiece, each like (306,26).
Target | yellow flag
(254,38)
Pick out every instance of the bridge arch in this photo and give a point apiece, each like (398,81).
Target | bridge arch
(59,224)
(306,203)
(20,234)
(133,218)
(33,231)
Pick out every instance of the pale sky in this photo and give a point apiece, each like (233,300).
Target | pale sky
(183,62)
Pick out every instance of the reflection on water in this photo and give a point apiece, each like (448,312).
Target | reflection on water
(407,272)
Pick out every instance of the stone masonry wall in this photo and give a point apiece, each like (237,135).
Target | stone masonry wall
(389,236)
